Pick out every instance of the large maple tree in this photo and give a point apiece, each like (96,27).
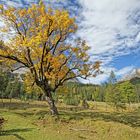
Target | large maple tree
(41,44)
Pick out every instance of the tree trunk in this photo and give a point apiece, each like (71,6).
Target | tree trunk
(53,108)
(48,96)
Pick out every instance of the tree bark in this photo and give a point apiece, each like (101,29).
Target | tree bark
(48,97)
(50,100)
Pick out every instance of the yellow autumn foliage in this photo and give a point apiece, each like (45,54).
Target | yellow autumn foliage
(40,44)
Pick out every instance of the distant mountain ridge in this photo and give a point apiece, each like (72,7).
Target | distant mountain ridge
(135,73)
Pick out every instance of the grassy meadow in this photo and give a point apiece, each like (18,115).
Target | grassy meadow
(31,121)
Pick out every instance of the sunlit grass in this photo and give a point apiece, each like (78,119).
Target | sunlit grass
(31,121)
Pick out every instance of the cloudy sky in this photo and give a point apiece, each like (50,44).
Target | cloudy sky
(111,28)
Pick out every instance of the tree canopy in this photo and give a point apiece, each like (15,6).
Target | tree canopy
(41,43)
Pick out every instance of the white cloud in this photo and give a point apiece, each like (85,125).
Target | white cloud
(100,78)
(138,37)
(124,71)
(97,80)
(120,74)
(108,26)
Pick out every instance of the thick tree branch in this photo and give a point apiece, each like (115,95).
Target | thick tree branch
(18,68)
(14,58)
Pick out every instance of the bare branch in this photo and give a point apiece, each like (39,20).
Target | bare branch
(18,68)
(14,58)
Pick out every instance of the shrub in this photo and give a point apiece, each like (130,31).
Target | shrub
(2,120)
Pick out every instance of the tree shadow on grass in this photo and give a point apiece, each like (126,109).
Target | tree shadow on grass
(13,132)
(40,113)
(70,108)
(20,105)
(131,119)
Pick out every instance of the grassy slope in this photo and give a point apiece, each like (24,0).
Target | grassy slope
(32,122)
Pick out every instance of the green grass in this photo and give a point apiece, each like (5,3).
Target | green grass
(31,121)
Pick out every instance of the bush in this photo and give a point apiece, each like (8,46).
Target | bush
(2,120)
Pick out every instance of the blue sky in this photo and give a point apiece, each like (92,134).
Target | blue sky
(111,28)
